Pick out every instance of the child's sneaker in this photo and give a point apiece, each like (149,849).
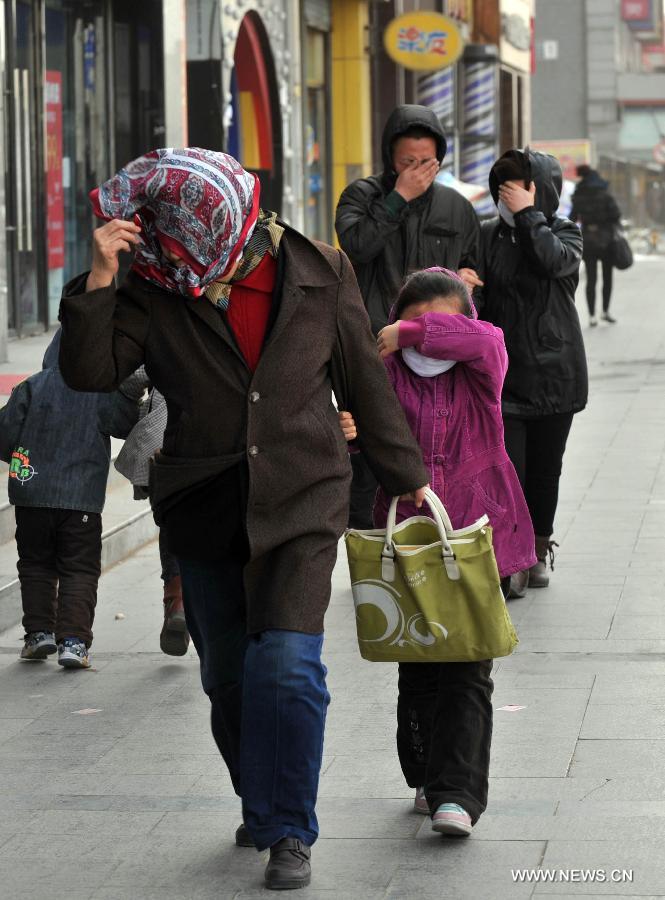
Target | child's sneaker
(38,645)
(450,818)
(73,654)
(420,804)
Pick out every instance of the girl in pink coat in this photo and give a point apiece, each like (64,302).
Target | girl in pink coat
(447,368)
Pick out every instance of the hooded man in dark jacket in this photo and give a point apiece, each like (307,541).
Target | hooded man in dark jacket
(598,214)
(530,263)
(394,223)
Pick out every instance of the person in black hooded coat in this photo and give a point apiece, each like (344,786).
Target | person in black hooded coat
(530,260)
(395,223)
(598,214)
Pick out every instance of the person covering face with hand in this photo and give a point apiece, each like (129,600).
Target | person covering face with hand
(530,260)
(395,223)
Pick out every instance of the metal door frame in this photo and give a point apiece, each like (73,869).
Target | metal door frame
(16,158)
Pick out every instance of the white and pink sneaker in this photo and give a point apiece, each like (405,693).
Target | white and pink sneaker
(450,818)
(420,804)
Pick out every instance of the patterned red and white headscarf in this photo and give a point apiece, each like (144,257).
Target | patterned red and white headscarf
(199,204)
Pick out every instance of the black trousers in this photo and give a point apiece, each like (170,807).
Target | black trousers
(536,448)
(591,261)
(60,552)
(444,731)
(363,492)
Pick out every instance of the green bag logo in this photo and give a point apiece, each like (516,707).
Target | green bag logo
(384,619)
(19,467)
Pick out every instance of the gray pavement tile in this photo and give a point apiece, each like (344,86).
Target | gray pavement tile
(510,793)
(644,857)
(217,785)
(9,728)
(469,869)
(313,893)
(638,718)
(188,892)
(636,626)
(97,822)
(618,758)
(46,764)
(519,759)
(512,679)
(175,864)
(613,808)
(158,762)
(579,822)
(360,784)
(379,763)
(639,786)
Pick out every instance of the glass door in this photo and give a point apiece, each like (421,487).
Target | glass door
(27,301)
(3,177)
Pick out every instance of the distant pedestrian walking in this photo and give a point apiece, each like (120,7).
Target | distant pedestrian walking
(598,213)
(395,223)
(57,442)
(146,439)
(530,268)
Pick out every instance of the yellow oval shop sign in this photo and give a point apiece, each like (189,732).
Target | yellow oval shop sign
(423,41)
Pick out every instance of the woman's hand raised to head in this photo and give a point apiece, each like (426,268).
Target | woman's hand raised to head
(107,242)
(388,340)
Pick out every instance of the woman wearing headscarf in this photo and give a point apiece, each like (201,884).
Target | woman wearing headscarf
(243,325)
(530,268)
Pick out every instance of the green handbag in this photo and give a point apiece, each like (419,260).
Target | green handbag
(424,592)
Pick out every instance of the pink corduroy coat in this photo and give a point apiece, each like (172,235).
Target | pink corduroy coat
(456,418)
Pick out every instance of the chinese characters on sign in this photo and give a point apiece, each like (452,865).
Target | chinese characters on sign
(55,204)
(423,41)
(412,40)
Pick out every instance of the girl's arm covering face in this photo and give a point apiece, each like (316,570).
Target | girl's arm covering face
(476,344)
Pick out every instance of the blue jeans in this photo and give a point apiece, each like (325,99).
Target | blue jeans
(268,703)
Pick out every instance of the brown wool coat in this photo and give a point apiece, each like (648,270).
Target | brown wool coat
(280,419)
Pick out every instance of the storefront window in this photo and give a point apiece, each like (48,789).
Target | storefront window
(103,104)
(317,186)
(77,134)
(22,182)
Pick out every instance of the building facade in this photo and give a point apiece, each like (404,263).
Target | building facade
(82,88)
(87,85)
(599,90)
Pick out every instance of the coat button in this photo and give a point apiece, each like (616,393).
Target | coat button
(442,413)
(254,397)
(253,450)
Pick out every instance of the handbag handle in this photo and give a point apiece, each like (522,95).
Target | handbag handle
(444,525)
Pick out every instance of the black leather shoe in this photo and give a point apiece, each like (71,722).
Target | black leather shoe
(243,837)
(289,865)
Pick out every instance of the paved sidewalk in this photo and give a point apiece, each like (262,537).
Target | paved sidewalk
(111,787)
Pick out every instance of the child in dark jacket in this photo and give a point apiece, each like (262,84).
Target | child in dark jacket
(57,444)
